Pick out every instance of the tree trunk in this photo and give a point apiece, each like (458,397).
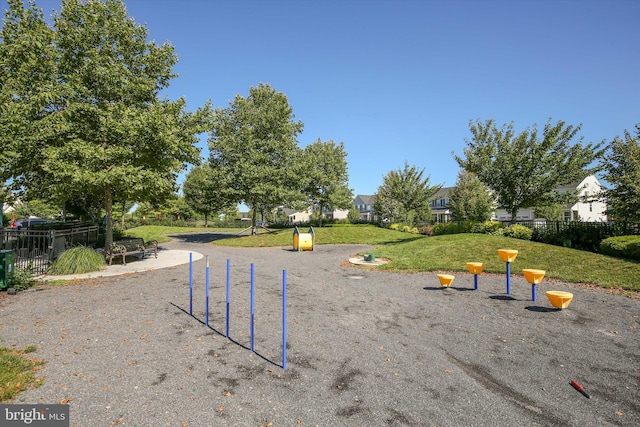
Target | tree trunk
(108,207)
(124,207)
(206,221)
(513,216)
(254,222)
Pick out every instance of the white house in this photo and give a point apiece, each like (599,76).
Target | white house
(588,208)
(295,217)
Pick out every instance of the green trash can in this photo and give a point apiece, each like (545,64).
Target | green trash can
(7,265)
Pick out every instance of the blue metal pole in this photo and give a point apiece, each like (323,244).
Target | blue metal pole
(533,292)
(191,283)
(284,319)
(228,296)
(206,310)
(252,306)
(475,282)
(508,278)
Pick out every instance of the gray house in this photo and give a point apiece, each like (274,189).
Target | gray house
(364,205)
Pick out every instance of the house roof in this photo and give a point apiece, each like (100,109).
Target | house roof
(368,200)
(442,193)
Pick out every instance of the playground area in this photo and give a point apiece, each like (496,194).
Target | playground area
(363,347)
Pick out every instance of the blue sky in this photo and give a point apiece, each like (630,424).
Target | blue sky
(399,81)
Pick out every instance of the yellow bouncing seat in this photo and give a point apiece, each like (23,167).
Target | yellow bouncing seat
(533,276)
(475,267)
(507,255)
(559,299)
(446,279)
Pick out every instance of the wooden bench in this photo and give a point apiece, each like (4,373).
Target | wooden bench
(131,246)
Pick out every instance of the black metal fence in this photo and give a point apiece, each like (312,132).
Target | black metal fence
(577,234)
(35,249)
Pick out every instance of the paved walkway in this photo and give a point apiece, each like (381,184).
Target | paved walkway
(166,258)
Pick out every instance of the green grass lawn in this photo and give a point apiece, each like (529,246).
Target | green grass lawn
(17,372)
(413,253)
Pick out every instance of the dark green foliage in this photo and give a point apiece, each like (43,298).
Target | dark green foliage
(470,199)
(622,170)
(577,235)
(404,197)
(621,247)
(82,107)
(80,259)
(23,278)
(327,176)
(517,231)
(524,170)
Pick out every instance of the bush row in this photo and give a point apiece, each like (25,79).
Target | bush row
(622,247)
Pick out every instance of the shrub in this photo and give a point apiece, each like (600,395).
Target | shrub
(426,230)
(491,226)
(517,231)
(448,228)
(23,278)
(80,259)
(394,226)
(406,229)
(622,247)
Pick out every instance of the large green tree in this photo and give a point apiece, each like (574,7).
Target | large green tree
(327,176)
(203,191)
(470,199)
(87,118)
(621,166)
(523,170)
(404,196)
(254,142)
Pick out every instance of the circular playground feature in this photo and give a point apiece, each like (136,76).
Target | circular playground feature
(369,260)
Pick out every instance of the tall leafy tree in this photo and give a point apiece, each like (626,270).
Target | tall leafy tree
(327,176)
(550,212)
(254,141)
(203,191)
(523,170)
(470,199)
(96,124)
(404,196)
(621,165)
(27,59)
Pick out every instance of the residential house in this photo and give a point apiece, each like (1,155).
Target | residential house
(440,204)
(364,205)
(588,208)
(295,217)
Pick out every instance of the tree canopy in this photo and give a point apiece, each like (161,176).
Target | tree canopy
(254,141)
(81,106)
(203,190)
(327,176)
(621,166)
(523,170)
(405,196)
(470,199)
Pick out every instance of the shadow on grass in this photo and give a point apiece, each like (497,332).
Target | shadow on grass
(201,237)
(266,359)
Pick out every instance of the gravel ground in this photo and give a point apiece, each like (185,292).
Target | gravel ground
(364,348)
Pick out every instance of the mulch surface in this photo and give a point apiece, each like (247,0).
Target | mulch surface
(364,347)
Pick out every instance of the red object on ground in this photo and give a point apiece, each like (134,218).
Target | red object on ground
(580,389)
